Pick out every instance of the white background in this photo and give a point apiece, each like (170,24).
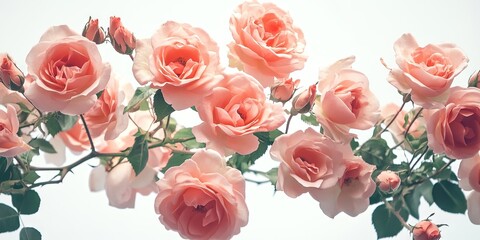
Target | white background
(333,30)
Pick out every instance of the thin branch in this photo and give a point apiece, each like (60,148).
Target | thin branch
(88,133)
(397,214)
(392,120)
(288,123)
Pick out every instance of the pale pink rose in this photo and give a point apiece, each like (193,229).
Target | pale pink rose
(10,75)
(303,102)
(469,173)
(346,101)
(123,41)
(66,72)
(426,230)
(235,110)
(388,181)
(473,206)
(455,128)
(106,117)
(308,161)
(181,60)
(283,90)
(352,191)
(75,138)
(265,44)
(9,96)
(399,126)
(202,198)
(11,145)
(94,32)
(426,72)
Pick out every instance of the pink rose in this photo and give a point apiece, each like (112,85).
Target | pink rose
(266,43)
(352,191)
(426,230)
(388,181)
(346,101)
(473,206)
(123,41)
(10,75)
(283,91)
(426,72)
(399,126)
(75,138)
(469,173)
(180,60)
(66,72)
(202,198)
(303,102)
(236,109)
(308,161)
(106,117)
(94,32)
(455,128)
(11,145)
(9,96)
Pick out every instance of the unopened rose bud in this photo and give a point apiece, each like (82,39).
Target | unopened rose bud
(10,74)
(473,81)
(283,91)
(426,230)
(93,32)
(303,102)
(388,181)
(123,41)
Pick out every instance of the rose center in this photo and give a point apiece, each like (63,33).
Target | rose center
(2,127)
(352,172)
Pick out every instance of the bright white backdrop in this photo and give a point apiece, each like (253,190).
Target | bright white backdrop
(333,30)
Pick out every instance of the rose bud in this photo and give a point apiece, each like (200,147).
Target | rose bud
(283,91)
(123,41)
(388,181)
(303,102)
(473,81)
(10,74)
(426,230)
(93,32)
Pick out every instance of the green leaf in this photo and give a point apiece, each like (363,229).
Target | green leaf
(9,220)
(413,198)
(376,197)
(139,97)
(57,122)
(243,162)
(176,159)
(3,166)
(354,144)
(272,175)
(386,223)
(27,203)
(268,137)
(162,108)
(138,155)
(42,144)
(30,177)
(376,152)
(186,133)
(449,197)
(309,119)
(29,233)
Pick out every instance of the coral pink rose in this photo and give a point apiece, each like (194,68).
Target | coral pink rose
(10,74)
(455,128)
(399,126)
(388,181)
(473,206)
(426,72)
(94,32)
(106,117)
(123,41)
(426,230)
(346,101)
(180,60)
(235,110)
(11,145)
(265,44)
(308,160)
(283,91)
(352,191)
(202,198)
(66,72)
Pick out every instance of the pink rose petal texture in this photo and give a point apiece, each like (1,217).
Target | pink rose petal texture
(469,179)
(65,72)
(345,101)
(426,72)
(265,44)
(233,112)
(11,145)
(181,60)
(202,198)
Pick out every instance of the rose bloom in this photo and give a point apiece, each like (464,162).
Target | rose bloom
(283,91)
(265,44)
(181,60)
(202,198)
(106,117)
(346,101)
(303,102)
(388,181)
(426,230)
(123,41)
(308,160)
(94,32)
(426,72)
(455,128)
(469,179)
(66,72)
(10,74)
(352,191)
(399,126)
(235,110)
(11,145)
(473,206)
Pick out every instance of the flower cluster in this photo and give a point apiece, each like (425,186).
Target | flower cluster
(69,98)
